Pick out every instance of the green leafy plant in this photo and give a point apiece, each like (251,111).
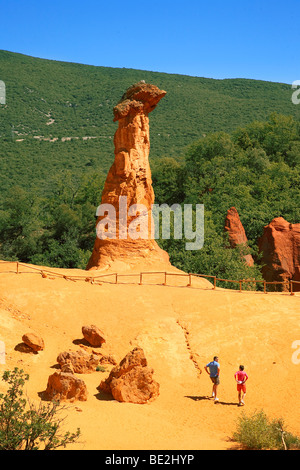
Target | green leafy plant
(258,432)
(26,426)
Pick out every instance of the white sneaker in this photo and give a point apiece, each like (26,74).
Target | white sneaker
(216,400)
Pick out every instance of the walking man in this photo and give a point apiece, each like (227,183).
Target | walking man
(213,370)
(241,377)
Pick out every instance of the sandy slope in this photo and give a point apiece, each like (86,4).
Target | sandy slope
(171,323)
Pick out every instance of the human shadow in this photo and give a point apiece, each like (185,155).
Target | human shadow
(228,403)
(206,397)
(198,398)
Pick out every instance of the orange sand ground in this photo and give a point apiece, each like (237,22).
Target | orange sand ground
(170,323)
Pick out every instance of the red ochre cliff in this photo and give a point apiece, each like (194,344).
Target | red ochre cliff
(280,248)
(236,233)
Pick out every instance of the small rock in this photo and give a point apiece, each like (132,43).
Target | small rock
(93,335)
(81,361)
(132,380)
(34,341)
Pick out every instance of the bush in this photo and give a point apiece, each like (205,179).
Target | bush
(25,426)
(257,432)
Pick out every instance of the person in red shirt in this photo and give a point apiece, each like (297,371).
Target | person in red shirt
(241,377)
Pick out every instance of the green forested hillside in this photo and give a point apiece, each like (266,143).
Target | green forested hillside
(57,100)
(255,168)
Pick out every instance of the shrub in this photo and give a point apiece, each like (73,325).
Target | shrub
(26,426)
(257,432)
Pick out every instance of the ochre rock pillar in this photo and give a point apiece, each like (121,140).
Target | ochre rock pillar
(128,187)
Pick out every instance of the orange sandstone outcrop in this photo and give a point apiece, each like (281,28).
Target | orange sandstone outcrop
(236,232)
(34,341)
(280,248)
(129,183)
(64,386)
(81,361)
(93,335)
(132,380)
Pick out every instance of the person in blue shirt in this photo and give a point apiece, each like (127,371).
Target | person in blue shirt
(213,370)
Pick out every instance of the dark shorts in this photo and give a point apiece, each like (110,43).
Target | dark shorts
(215,380)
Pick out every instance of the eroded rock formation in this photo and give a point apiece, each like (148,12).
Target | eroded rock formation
(128,187)
(280,248)
(34,341)
(81,361)
(64,386)
(132,380)
(237,234)
(93,335)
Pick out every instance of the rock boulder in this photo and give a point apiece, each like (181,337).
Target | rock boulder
(34,341)
(93,335)
(132,380)
(63,386)
(81,361)
(280,248)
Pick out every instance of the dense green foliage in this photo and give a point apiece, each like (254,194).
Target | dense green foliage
(255,169)
(213,142)
(54,231)
(26,426)
(55,100)
(258,432)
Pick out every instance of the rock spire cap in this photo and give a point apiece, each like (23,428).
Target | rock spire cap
(140,98)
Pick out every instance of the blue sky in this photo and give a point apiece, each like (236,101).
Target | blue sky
(244,39)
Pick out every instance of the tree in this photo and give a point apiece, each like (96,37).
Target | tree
(25,426)
(167,184)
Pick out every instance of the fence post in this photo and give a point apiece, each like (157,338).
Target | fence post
(165,283)
(17,267)
(215,282)
(240,286)
(141,279)
(190,280)
(116,278)
(291,288)
(265,289)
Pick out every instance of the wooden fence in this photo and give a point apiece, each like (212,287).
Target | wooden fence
(115,278)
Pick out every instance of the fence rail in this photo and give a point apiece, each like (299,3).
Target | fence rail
(289,284)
